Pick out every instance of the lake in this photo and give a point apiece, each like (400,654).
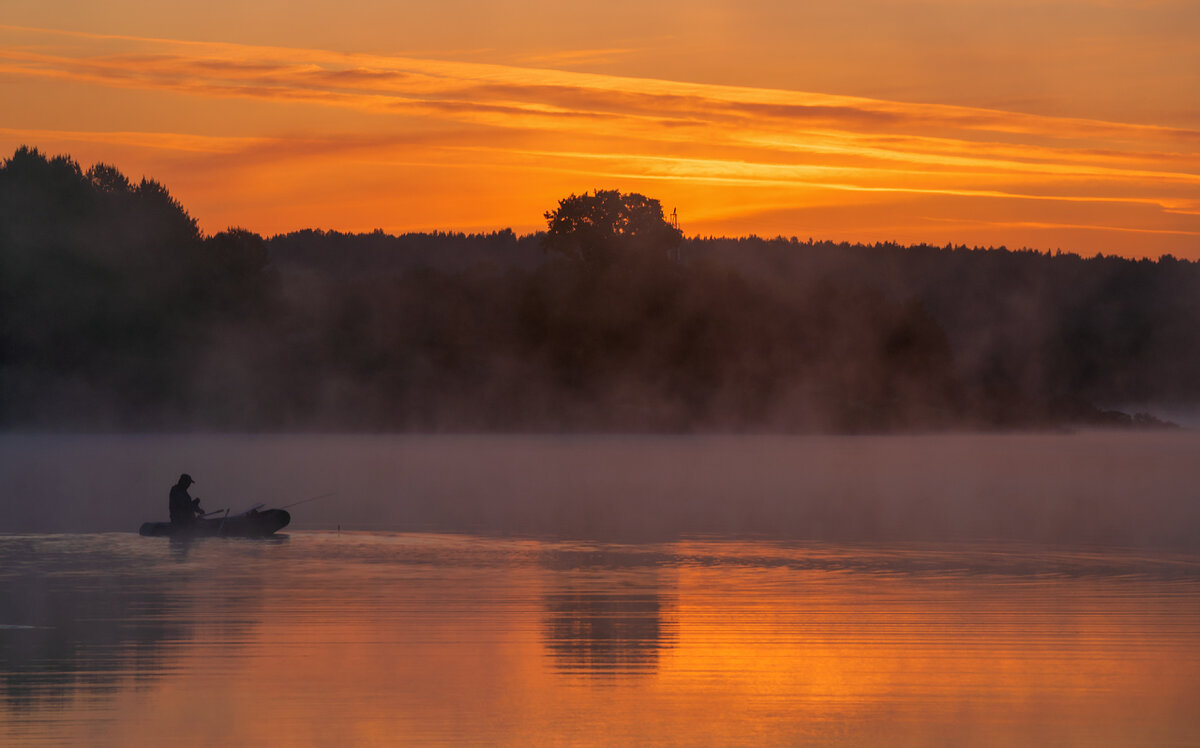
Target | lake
(978,590)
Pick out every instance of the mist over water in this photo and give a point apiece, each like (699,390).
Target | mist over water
(1136,489)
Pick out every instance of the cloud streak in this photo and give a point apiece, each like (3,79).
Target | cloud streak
(692,135)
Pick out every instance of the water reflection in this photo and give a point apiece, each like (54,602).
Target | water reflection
(85,614)
(329,639)
(181,545)
(608,608)
(83,639)
(606,632)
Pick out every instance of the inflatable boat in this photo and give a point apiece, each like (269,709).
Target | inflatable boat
(251,524)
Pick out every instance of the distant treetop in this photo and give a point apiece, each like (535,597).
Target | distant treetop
(595,228)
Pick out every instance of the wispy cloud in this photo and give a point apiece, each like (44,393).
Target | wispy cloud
(647,129)
(159,140)
(270,72)
(573,57)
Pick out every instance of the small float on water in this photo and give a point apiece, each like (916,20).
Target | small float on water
(252,523)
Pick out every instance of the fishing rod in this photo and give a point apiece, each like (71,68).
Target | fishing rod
(305,501)
(285,506)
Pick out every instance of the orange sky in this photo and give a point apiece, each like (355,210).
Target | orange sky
(1071,124)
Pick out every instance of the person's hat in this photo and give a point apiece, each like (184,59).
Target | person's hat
(185,478)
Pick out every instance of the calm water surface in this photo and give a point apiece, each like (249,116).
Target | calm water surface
(326,638)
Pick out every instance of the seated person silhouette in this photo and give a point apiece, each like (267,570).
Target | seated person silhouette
(184,509)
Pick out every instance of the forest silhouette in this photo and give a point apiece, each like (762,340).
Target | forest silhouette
(118,313)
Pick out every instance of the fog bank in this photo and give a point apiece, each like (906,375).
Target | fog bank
(1114,488)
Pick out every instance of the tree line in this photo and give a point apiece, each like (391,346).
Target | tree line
(119,313)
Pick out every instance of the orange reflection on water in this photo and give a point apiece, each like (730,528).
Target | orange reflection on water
(899,660)
(419,639)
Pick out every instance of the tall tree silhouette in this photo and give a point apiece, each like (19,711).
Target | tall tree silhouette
(105,284)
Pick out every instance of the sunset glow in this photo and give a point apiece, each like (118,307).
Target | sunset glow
(277,135)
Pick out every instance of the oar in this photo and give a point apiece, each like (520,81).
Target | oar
(305,501)
(215,511)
